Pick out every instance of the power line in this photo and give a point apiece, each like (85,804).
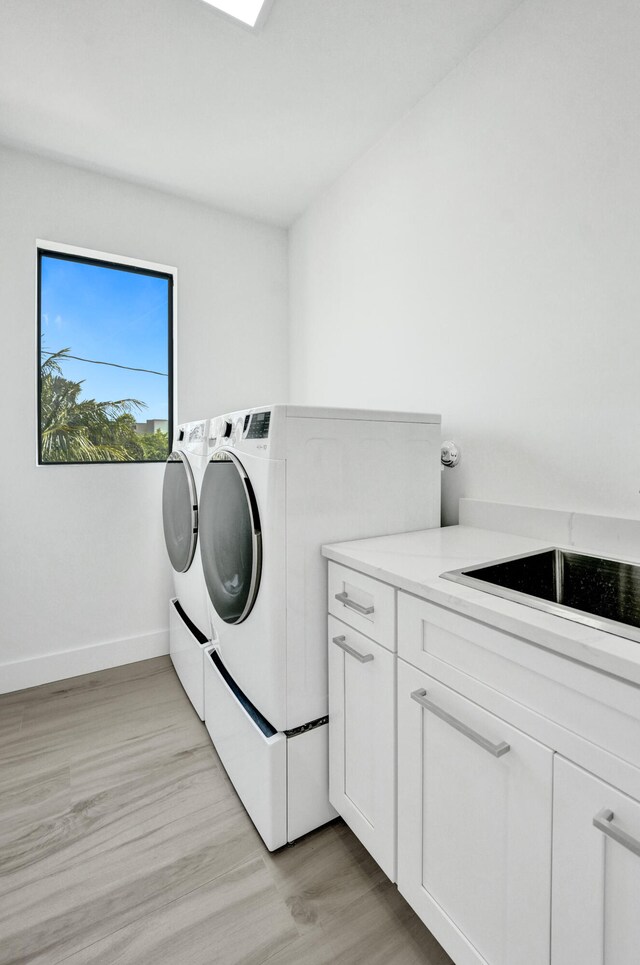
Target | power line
(115,365)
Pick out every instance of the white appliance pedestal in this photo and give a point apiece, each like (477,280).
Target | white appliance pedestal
(281,779)
(187,646)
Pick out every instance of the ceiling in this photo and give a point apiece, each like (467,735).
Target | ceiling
(172,94)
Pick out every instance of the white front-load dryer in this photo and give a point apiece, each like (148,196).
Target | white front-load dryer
(188,612)
(243,550)
(281,481)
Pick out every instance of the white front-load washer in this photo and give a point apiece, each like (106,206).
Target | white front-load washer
(188,612)
(281,481)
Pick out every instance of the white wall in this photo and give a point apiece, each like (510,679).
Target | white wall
(84,581)
(483,261)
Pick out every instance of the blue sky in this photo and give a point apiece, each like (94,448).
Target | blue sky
(112,316)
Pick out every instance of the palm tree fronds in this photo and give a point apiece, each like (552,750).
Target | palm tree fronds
(83,430)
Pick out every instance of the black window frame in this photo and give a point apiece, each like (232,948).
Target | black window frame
(107,262)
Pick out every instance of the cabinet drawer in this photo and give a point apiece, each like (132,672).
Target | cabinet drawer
(579,700)
(363,603)
(362,788)
(474,826)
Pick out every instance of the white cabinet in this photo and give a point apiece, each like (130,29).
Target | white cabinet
(362,690)
(474,826)
(596,871)
(450,749)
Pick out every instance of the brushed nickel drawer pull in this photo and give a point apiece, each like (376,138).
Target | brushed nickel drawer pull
(603,821)
(344,599)
(420,697)
(342,643)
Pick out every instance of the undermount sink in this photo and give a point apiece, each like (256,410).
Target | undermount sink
(599,592)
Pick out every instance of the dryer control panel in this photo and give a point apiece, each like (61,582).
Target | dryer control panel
(256,425)
(235,428)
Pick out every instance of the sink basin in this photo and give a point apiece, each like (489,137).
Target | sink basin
(600,592)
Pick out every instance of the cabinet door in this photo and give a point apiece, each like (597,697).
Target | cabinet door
(362,740)
(596,871)
(474,826)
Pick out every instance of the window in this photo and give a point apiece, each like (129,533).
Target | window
(105,358)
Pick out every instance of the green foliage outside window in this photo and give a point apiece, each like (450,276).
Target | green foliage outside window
(85,430)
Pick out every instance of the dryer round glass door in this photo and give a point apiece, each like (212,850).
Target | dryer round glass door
(230,537)
(179,512)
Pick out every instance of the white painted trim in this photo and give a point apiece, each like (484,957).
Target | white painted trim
(106,256)
(71,663)
(118,260)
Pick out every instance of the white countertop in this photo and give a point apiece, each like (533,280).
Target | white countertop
(414,562)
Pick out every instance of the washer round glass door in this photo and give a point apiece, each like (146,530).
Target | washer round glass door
(179,512)
(230,537)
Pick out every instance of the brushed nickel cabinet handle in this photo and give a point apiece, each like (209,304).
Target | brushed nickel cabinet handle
(420,697)
(344,598)
(603,821)
(342,643)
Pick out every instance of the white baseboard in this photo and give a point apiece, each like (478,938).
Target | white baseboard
(71,663)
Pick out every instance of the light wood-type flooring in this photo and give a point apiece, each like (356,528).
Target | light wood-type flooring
(123,841)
